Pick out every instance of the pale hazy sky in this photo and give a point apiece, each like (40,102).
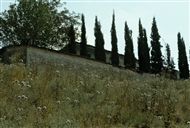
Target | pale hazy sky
(171,17)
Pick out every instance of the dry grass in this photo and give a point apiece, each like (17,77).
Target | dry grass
(69,95)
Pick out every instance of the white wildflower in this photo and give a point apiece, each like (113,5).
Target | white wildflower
(68,121)
(76,101)
(97,92)
(20,109)
(39,108)
(68,98)
(44,107)
(58,102)
(109,117)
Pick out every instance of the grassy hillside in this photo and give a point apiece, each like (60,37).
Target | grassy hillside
(69,95)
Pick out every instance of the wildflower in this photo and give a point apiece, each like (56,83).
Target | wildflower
(188,122)
(97,92)
(44,107)
(68,98)
(109,117)
(68,121)
(39,108)
(76,101)
(23,83)
(24,97)
(20,109)
(58,102)
(28,86)
(57,71)
(19,96)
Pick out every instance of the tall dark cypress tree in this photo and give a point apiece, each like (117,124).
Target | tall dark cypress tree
(114,53)
(99,51)
(72,44)
(182,58)
(129,58)
(83,45)
(143,50)
(146,53)
(156,55)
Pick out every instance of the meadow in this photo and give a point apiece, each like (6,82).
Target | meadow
(70,95)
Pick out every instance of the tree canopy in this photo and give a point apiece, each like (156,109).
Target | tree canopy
(37,23)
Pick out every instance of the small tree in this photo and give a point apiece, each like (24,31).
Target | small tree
(182,58)
(169,60)
(129,58)
(83,45)
(99,51)
(114,52)
(169,63)
(72,44)
(156,55)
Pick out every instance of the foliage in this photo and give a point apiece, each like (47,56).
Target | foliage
(129,57)
(114,53)
(156,54)
(182,58)
(143,50)
(36,23)
(76,95)
(72,43)
(83,47)
(99,51)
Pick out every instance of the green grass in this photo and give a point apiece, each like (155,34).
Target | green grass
(72,95)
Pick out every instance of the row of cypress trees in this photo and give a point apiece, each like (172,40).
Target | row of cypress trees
(147,63)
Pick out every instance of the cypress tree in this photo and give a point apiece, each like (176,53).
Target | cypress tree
(182,58)
(114,53)
(146,53)
(143,50)
(129,58)
(99,51)
(169,63)
(156,55)
(72,44)
(83,45)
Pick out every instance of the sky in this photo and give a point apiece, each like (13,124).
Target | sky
(172,16)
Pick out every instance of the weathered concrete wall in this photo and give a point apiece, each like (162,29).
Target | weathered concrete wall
(90,50)
(42,56)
